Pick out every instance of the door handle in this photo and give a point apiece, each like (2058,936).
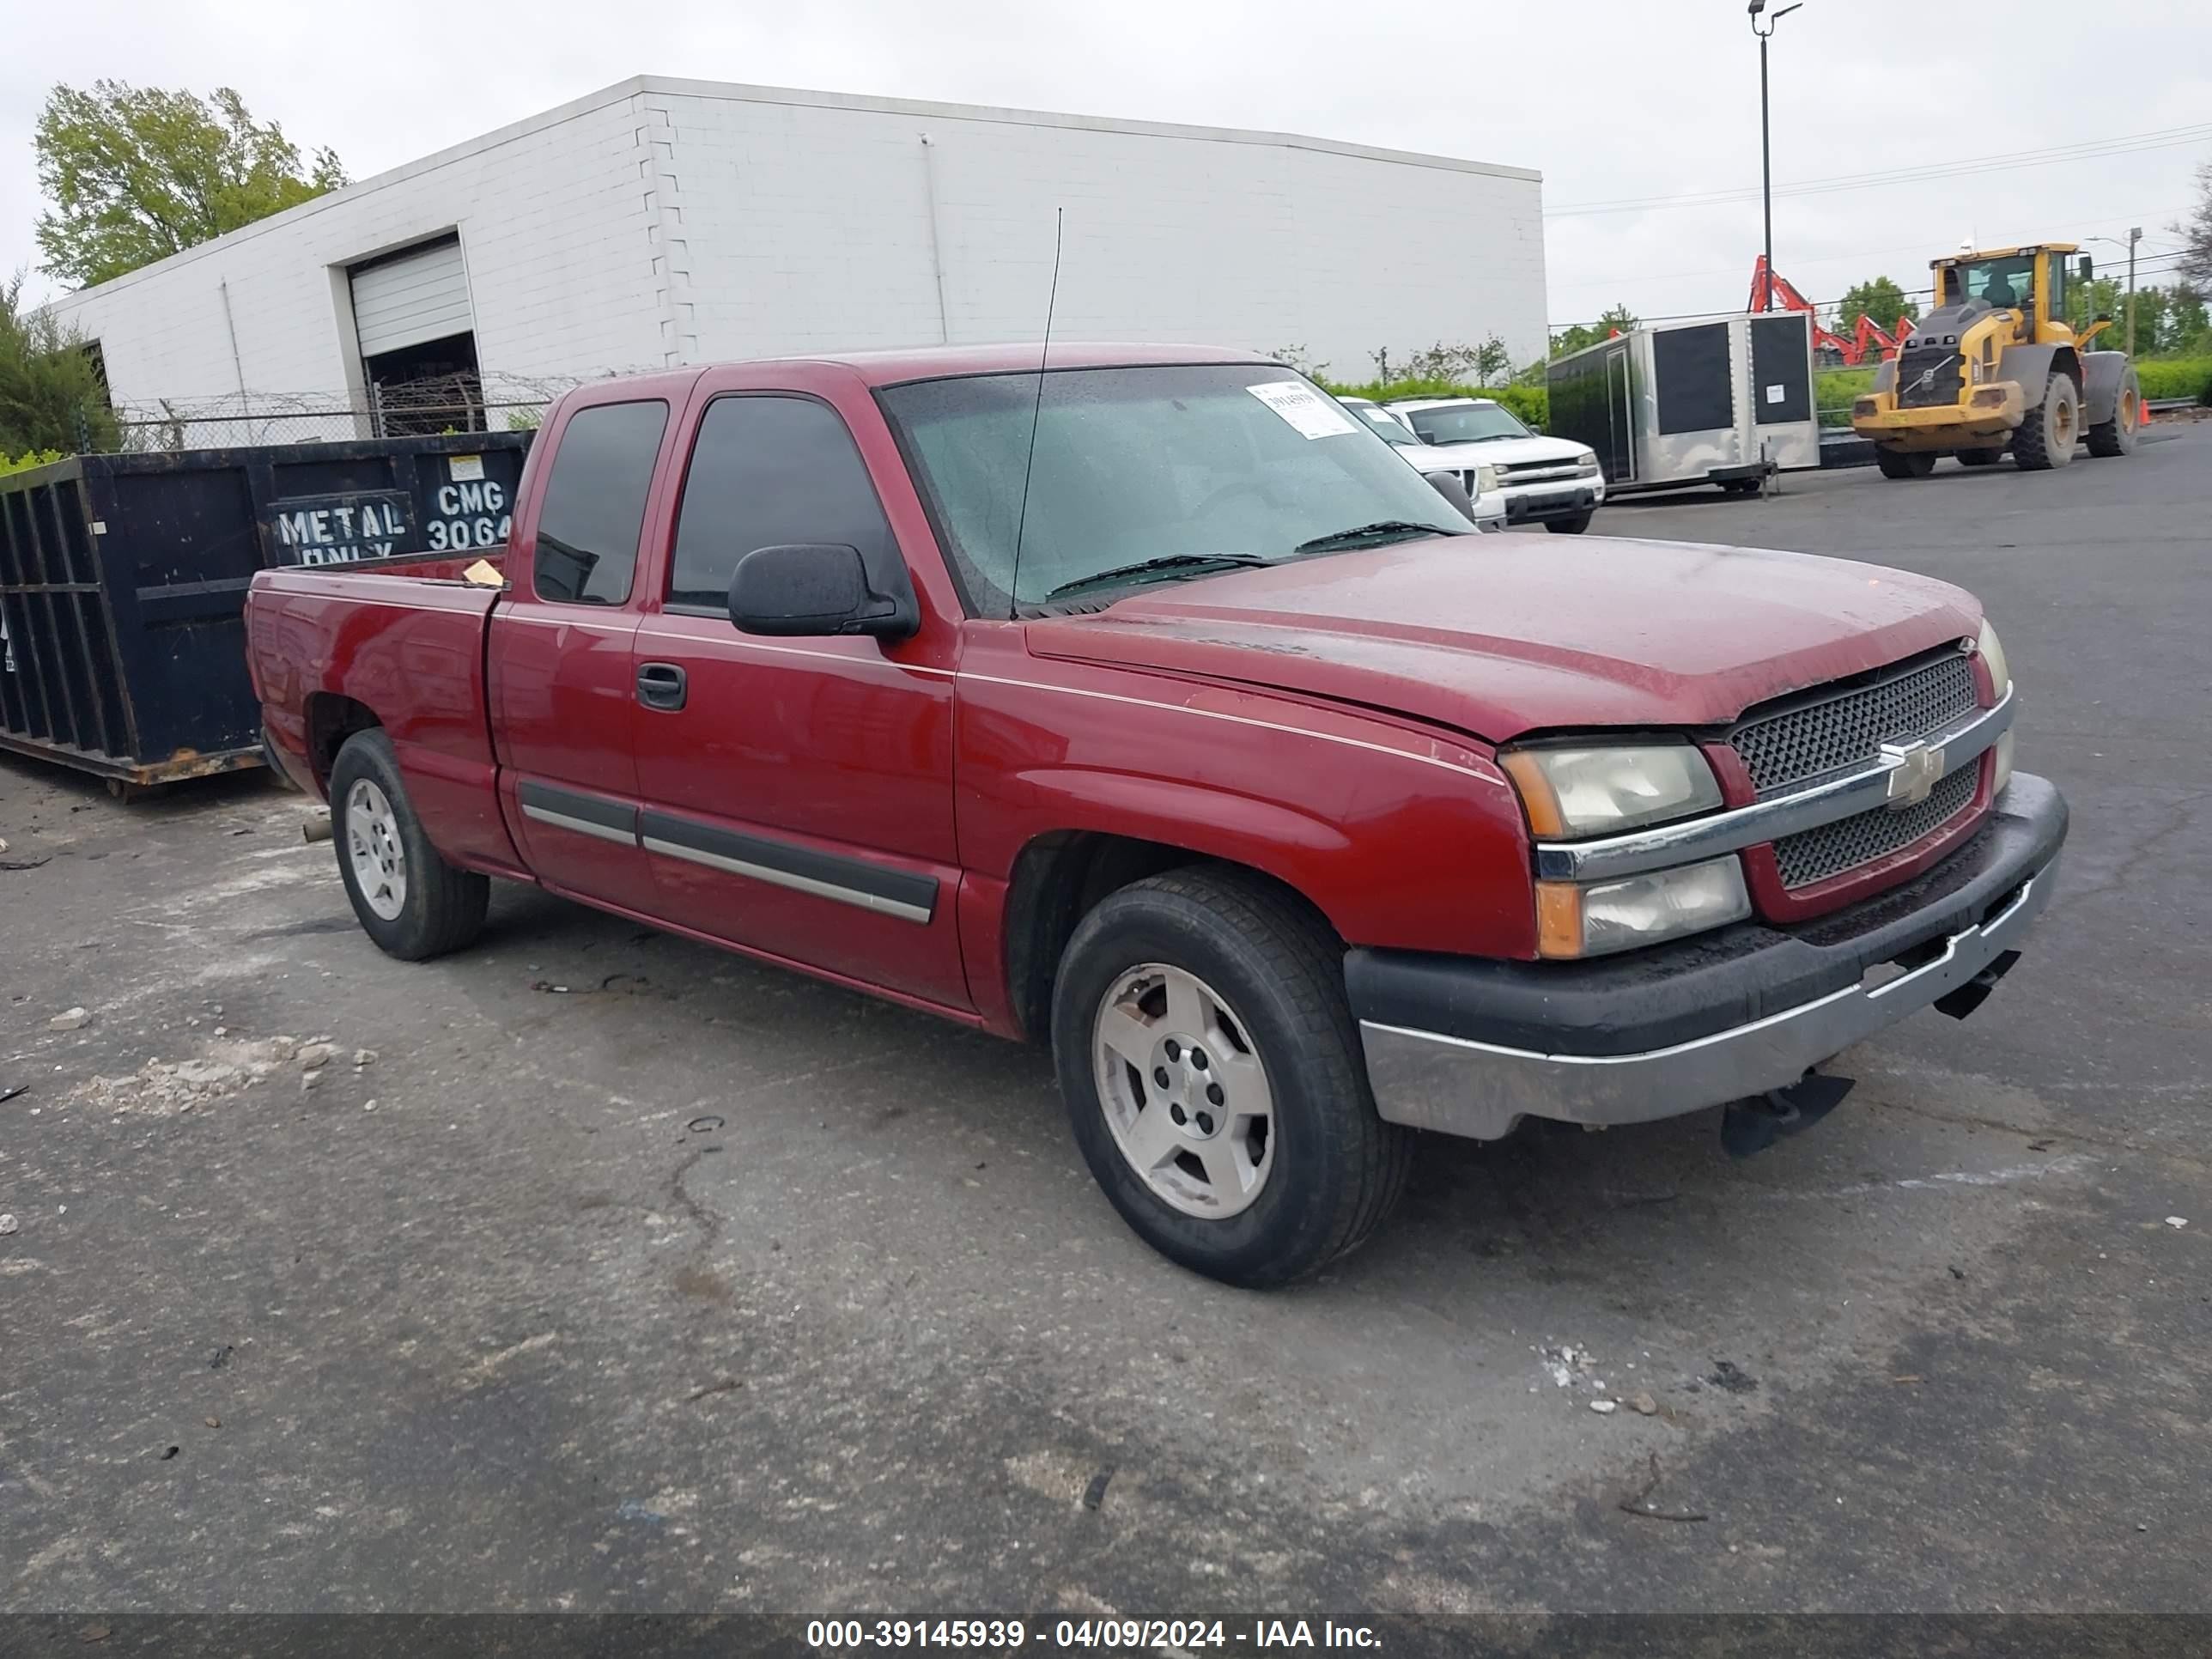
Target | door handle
(661,685)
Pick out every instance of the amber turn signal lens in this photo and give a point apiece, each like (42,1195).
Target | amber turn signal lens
(1559,919)
(1538,798)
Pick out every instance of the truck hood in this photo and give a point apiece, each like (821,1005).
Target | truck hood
(1512,452)
(1498,636)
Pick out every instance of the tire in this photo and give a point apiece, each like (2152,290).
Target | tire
(2117,435)
(412,902)
(1980,457)
(1740,486)
(1905,464)
(1262,984)
(1573,526)
(2045,438)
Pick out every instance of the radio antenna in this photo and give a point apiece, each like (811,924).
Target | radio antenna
(1036,413)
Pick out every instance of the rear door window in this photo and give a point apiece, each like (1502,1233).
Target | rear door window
(768,472)
(594,509)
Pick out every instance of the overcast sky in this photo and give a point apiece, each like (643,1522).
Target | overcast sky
(1614,100)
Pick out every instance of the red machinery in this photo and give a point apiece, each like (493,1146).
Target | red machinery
(1772,292)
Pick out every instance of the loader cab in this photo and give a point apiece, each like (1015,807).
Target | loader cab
(2033,283)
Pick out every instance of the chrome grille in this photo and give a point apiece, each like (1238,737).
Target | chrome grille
(1814,855)
(1795,745)
(1538,471)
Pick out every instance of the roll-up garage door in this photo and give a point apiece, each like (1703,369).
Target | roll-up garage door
(421,294)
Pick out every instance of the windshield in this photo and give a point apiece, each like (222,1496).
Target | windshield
(2008,284)
(1163,467)
(1387,425)
(1466,424)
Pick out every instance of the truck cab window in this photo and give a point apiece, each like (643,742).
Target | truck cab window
(588,530)
(768,472)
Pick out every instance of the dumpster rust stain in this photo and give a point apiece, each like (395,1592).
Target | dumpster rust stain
(191,763)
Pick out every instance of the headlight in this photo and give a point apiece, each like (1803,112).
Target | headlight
(1992,653)
(1599,792)
(1485,478)
(1575,922)
(1992,650)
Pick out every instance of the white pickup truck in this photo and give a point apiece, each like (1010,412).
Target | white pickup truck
(1478,478)
(1553,482)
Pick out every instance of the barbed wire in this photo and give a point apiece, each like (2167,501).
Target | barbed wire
(463,402)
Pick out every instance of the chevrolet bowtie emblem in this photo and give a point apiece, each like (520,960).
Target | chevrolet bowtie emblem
(1914,768)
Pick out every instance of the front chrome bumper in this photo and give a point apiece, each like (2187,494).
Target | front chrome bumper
(1530,503)
(1459,1084)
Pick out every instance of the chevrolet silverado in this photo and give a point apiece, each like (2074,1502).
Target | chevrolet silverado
(1295,816)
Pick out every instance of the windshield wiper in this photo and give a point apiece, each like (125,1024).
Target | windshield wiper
(1383,530)
(1149,566)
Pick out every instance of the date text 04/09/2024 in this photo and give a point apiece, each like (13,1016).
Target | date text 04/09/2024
(832,1635)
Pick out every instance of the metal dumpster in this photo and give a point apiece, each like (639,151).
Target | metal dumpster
(123,580)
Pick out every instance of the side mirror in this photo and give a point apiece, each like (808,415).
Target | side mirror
(1452,491)
(2102,317)
(816,588)
(2083,271)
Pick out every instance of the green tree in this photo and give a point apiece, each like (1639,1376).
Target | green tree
(1877,297)
(2196,231)
(2151,329)
(2189,328)
(1617,318)
(136,174)
(51,395)
(2100,296)
(1493,361)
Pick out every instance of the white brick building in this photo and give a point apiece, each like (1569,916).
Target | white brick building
(664,221)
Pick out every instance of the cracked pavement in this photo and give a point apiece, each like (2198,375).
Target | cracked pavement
(701,1286)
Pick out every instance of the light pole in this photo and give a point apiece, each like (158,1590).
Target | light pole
(1765,145)
(2135,235)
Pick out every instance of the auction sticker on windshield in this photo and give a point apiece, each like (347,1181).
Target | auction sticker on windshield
(1306,410)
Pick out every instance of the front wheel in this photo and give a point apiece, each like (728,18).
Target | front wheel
(1572,526)
(408,899)
(1905,464)
(2045,438)
(1214,1080)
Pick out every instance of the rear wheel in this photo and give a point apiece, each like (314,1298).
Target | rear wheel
(1740,486)
(1980,457)
(1214,1080)
(2045,438)
(1573,526)
(2117,435)
(408,900)
(1905,464)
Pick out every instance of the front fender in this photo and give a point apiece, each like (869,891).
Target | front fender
(2030,368)
(1275,838)
(1398,838)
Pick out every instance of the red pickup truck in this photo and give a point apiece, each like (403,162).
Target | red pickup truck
(1152,708)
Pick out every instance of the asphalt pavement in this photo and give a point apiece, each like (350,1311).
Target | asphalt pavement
(599,1271)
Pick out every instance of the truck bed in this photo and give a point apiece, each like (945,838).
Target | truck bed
(406,637)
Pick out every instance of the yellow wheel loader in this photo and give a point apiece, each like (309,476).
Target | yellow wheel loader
(1994,367)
